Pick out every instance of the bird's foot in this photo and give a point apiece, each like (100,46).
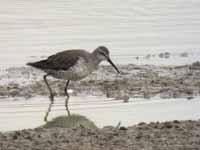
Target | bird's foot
(52,97)
(45,119)
(68,112)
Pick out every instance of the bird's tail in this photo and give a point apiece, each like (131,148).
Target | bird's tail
(40,64)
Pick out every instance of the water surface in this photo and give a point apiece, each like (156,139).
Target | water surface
(101,110)
(130,28)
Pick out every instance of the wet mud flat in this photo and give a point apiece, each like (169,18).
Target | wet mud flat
(143,81)
(179,135)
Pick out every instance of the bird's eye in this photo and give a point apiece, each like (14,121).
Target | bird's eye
(102,53)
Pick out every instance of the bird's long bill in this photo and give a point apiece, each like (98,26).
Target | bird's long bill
(109,60)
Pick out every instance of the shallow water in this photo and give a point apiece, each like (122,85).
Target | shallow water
(103,111)
(32,29)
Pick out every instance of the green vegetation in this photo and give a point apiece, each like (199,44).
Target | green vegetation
(197,63)
(70,122)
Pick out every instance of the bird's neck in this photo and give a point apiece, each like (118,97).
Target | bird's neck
(95,59)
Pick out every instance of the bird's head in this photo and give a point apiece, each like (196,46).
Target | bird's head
(102,53)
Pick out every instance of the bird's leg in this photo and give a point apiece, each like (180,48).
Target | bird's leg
(51,97)
(67,99)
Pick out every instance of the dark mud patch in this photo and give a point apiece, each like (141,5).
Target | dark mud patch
(178,135)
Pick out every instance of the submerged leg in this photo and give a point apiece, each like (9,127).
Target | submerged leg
(51,97)
(67,99)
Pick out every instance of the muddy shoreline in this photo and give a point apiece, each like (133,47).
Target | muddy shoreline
(179,135)
(143,81)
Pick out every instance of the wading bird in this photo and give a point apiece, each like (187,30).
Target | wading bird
(71,65)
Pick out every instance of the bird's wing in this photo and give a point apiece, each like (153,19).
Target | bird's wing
(62,61)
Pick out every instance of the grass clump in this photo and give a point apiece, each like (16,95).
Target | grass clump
(72,121)
(196,64)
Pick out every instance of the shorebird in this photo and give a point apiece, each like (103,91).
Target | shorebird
(71,65)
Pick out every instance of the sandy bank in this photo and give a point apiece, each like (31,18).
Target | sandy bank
(179,135)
